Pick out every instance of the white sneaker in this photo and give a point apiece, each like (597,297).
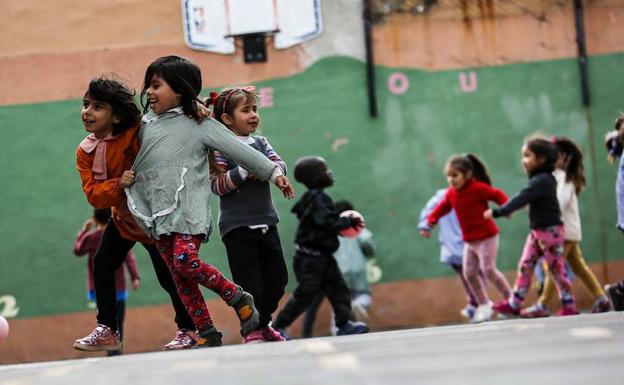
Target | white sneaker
(468,311)
(483,313)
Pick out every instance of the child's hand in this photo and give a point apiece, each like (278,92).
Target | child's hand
(203,111)
(356,222)
(126,179)
(425,233)
(487,214)
(284,184)
(135,284)
(88,224)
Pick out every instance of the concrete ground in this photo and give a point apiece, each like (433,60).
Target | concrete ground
(585,349)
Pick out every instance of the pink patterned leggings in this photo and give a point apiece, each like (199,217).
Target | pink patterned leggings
(549,243)
(481,256)
(180,252)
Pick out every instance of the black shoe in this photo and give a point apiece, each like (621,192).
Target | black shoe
(616,296)
(209,338)
(352,327)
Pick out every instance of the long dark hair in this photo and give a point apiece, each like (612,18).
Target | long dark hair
(573,165)
(469,163)
(184,78)
(544,151)
(120,98)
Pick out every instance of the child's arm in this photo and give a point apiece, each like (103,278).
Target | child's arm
(366,243)
(423,223)
(133,269)
(273,155)
(496,195)
(226,181)
(619,194)
(85,241)
(441,209)
(524,197)
(324,214)
(218,137)
(100,193)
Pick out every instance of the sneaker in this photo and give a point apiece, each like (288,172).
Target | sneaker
(243,304)
(468,311)
(503,307)
(183,340)
(102,338)
(352,327)
(272,335)
(283,333)
(601,305)
(616,296)
(483,313)
(210,337)
(568,310)
(254,337)
(535,311)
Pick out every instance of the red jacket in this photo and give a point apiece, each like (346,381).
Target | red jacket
(469,203)
(120,154)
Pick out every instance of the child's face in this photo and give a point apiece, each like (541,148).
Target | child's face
(455,178)
(530,161)
(97,117)
(325,176)
(160,96)
(245,118)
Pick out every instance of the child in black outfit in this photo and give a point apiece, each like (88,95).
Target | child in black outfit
(316,240)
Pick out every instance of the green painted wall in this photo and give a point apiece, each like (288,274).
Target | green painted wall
(389,167)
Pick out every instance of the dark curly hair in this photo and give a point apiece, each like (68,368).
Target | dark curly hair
(120,98)
(573,164)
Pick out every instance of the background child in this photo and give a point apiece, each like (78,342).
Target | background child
(111,116)
(247,216)
(570,176)
(469,194)
(171,190)
(351,256)
(451,247)
(615,143)
(87,243)
(316,240)
(547,235)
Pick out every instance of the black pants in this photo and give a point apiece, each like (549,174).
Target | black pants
(310,315)
(316,274)
(109,256)
(257,265)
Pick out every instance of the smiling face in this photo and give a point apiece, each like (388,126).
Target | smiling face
(530,161)
(97,117)
(160,96)
(456,178)
(245,118)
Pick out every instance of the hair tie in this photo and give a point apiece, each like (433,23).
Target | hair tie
(553,139)
(212,100)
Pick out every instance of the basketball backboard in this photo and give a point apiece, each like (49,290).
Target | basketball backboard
(213,25)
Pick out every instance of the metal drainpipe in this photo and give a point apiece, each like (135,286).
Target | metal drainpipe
(370,65)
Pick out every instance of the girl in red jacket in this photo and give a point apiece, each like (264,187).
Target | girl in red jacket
(469,195)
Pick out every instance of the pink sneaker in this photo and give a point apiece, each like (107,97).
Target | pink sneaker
(568,310)
(102,338)
(183,340)
(272,335)
(254,337)
(503,307)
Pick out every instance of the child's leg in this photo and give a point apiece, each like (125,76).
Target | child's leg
(310,316)
(274,274)
(471,268)
(188,290)
(310,272)
(487,250)
(470,297)
(572,254)
(109,257)
(531,253)
(337,292)
(551,242)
